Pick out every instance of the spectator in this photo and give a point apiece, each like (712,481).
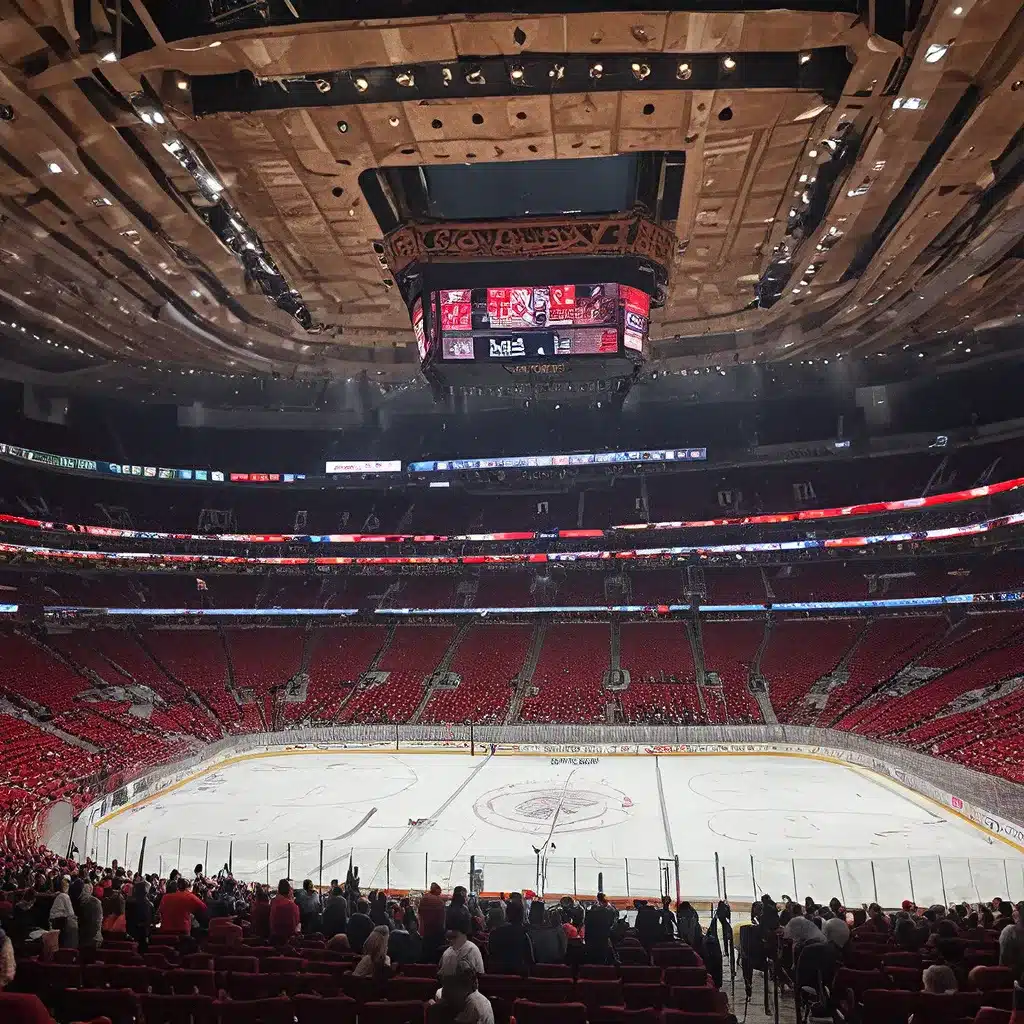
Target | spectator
(689,924)
(509,947)
(495,916)
(113,914)
(7,965)
(547,934)
(457,907)
(877,922)
(668,920)
(62,916)
(90,919)
(802,931)
(404,945)
(432,913)
(461,996)
(1011,945)
(259,916)
(177,908)
(284,913)
(359,926)
(335,916)
(460,952)
(939,979)
(308,901)
(138,916)
(597,933)
(375,962)
(650,927)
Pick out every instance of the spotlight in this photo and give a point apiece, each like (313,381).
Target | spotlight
(935,53)
(517,74)
(394,121)
(557,72)
(407,79)
(322,85)
(812,153)
(361,84)
(343,127)
(182,83)
(110,57)
(54,168)
(6,112)
(446,76)
(158,118)
(596,70)
(475,76)
(729,63)
(805,58)
(683,71)
(641,71)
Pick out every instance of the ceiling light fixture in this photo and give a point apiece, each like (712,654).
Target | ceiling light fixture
(683,71)
(935,53)
(361,84)
(805,58)
(729,63)
(640,71)
(446,76)
(475,76)
(406,79)
(54,168)
(159,118)
(182,83)
(110,57)
(557,72)
(517,74)
(596,70)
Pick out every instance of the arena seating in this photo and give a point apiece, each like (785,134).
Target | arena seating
(264,657)
(798,654)
(28,668)
(338,657)
(414,652)
(729,649)
(653,653)
(488,660)
(569,674)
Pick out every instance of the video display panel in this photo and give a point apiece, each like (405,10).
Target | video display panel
(540,321)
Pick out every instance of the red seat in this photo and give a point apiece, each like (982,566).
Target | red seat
(160,1009)
(888,1006)
(551,971)
(242,986)
(23,1008)
(547,990)
(526,1011)
(907,979)
(187,982)
(623,1015)
(686,977)
(990,1015)
(407,1012)
(336,956)
(901,959)
(419,970)
(985,978)
(159,961)
(137,978)
(633,955)
(941,1009)
(595,992)
(48,977)
(704,999)
(281,965)
(857,982)
(317,1010)
(675,955)
(640,997)
(602,972)
(254,1011)
(249,964)
(310,984)
(65,956)
(362,990)
(118,1005)
(405,988)
(125,957)
(682,1017)
(640,974)
(202,962)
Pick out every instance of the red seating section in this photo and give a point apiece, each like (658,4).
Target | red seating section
(652,653)
(729,650)
(569,674)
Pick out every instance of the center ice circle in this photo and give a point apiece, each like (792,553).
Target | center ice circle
(542,808)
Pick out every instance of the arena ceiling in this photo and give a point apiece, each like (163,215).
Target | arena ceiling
(183,183)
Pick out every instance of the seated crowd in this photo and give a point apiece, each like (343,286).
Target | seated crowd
(78,941)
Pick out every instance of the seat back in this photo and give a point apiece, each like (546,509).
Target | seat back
(639,997)
(551,971)
(117,1005)
(985,978)
(547,990)
(526,1011)
(888,1006)
(623,1015)
(908,979)
(403,988)
(318,1010)
(408,1011)
(281,964)
(686,977)
(633,955)
(683,1017)
(162,1009)
(249,964)
(701,999)
(940,1009)
(185,982)
(419,971)
(675,955)
(640,974)
(594,992)
(254,1011)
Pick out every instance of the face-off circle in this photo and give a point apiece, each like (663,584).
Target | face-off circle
(534,807)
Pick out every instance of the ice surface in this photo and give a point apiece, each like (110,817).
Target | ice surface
(777,824)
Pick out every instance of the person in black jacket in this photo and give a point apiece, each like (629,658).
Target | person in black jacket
(404,945)
(509,946)
(335,915)
(597,933)
(138,916)
(359,926)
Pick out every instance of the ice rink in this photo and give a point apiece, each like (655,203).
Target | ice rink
(784,825)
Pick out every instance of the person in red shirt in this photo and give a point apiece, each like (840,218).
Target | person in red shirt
(176,909)
(260,914)
(284,912)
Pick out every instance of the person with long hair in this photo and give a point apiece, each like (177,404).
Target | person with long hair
(375,962)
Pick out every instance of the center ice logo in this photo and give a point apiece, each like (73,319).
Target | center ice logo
(539,807)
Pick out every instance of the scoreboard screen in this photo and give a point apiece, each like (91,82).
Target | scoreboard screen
(540,322)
